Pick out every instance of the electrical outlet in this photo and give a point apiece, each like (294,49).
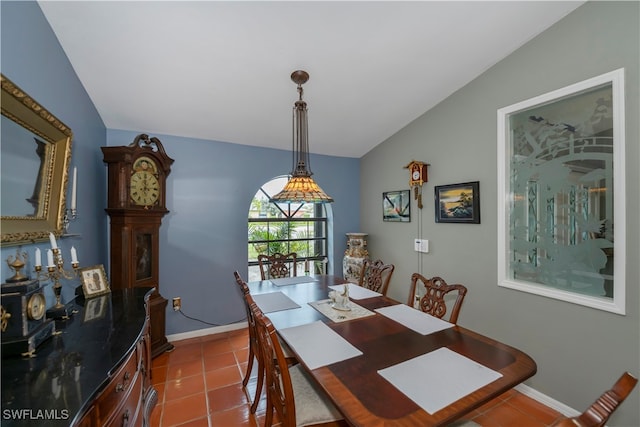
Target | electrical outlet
(177,304)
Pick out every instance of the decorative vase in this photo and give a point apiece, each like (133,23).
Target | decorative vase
(354,256)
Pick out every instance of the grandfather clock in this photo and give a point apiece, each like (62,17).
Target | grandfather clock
(136,204)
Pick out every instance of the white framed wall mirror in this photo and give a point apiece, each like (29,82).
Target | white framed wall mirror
(35,153)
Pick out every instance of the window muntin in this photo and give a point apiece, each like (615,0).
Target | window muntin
(285,228)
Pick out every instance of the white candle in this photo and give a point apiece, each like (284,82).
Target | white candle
(38,257)
(50,258)
(52,239)
(74,255)
(74,188)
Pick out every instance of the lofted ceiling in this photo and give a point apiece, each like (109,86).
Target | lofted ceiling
(220,70)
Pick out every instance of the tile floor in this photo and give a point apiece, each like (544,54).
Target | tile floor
(200,385)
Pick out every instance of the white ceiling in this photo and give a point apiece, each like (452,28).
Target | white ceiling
(220,70)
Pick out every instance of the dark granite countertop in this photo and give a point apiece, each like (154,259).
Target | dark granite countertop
(72,367)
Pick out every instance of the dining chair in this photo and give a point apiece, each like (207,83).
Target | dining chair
(599,412)
(278,265)
(253,345)
(296,400)
(433,293)
(375,275)
(254,353)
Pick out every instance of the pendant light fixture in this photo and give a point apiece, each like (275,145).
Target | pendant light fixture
(301,187)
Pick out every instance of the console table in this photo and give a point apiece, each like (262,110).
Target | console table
(95,372)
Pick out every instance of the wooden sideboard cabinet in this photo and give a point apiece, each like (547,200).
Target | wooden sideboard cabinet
(95,373)
(122,402)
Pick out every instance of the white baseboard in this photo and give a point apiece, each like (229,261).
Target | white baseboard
(565,410)
(206,331)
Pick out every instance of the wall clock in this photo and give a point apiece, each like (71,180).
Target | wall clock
(24,325)
(417,177)
(136,203)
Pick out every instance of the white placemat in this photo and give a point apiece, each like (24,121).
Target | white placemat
(284,281)
(318,345)
(357,292)
(356,311)
(439,378)
(274,301)
(412,318)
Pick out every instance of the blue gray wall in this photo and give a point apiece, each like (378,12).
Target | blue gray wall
(34,60)
(580,351)
(204,237)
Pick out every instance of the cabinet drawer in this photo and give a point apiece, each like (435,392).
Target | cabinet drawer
(119,387)
(128,415)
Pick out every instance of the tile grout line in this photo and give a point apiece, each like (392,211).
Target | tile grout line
(164,391)
(206,387)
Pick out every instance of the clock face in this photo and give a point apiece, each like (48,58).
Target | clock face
(144,188)
(416,175)
(36,306)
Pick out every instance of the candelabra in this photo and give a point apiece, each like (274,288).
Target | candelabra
(69,215)
(55,272)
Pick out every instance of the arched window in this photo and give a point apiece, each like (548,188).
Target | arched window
(287,227)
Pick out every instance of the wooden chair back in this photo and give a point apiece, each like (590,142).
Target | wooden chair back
(253,343)
(599,412)
(278,265)
(375,275)
(278,381)
(241,283)
(433,293)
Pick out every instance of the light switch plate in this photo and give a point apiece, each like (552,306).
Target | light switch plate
(421,245)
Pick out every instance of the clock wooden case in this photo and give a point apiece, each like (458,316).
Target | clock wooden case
(137,176)
(417,173)
(417,177)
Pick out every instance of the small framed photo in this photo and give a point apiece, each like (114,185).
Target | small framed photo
(458,203)
(94,281)
(396,206)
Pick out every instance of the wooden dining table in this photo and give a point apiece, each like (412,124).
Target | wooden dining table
(355,385)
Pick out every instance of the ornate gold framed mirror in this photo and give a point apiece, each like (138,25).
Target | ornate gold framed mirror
(35,154)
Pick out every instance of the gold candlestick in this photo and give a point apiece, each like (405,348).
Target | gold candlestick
(54,273)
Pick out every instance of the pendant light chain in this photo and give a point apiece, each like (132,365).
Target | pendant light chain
(301,187)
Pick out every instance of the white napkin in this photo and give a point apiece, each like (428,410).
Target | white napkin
(318,345)
(439,378)
(415,319)
(357,292)
(274,301)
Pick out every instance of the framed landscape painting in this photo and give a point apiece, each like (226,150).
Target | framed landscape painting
(458,203)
